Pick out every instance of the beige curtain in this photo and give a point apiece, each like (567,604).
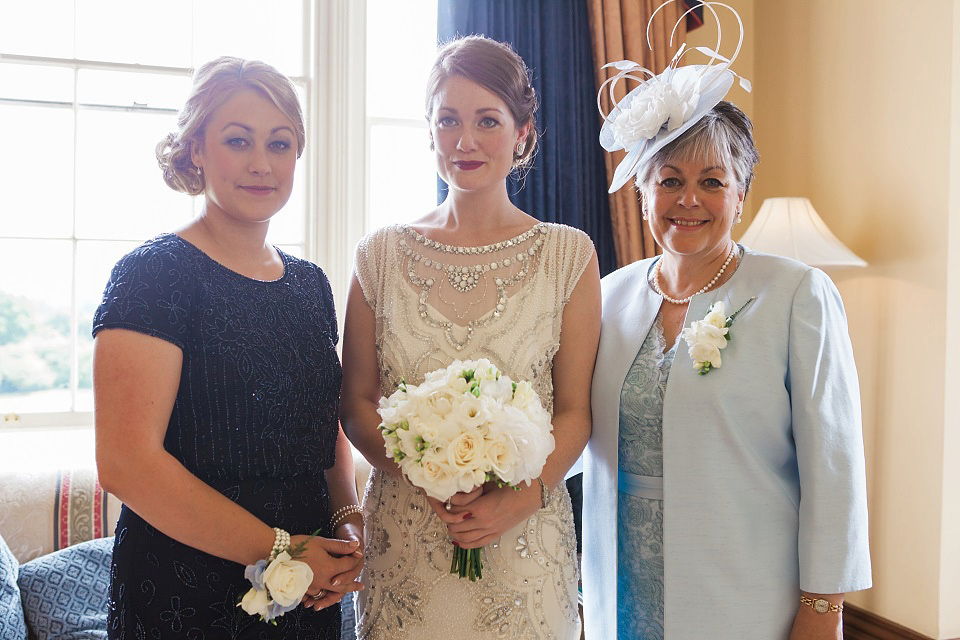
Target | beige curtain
(619,32)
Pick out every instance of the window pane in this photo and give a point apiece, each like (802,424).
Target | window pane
(121,194)
(37,180)
(94,262)
(36,82)
(35,281)
(132,89)
(19,33)
(392,94)
(403,177)
(156,33)
(250,29)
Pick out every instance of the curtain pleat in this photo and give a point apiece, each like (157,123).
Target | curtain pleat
(618,30)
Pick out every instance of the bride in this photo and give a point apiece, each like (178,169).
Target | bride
(475,278)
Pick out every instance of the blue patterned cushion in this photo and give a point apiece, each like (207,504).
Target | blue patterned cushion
(12,624)
(65,593)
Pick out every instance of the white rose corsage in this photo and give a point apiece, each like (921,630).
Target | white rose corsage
(279,582)
(705,338)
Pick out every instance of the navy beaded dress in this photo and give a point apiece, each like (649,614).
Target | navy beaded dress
(255,417)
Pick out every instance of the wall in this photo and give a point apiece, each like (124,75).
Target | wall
(852,107)
(950,536)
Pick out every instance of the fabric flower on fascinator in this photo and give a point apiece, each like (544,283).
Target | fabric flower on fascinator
(666,104)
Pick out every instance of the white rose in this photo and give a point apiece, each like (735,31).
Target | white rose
(433,477)
(287,579)
(465,452)
(502,455)
(256,603)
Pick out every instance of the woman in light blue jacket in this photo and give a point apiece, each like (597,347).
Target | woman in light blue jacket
(724,491)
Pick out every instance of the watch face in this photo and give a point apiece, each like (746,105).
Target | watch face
(821,606)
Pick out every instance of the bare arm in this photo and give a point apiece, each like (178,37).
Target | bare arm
(136,377)
(483,519)
(361,381)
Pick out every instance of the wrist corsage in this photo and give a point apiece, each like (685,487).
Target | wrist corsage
(705,338)
(279,582)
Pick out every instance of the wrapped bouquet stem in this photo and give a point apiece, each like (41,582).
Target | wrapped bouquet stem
(465,425)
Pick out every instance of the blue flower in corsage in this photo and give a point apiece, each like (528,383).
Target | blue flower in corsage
(278,584)
(705,338)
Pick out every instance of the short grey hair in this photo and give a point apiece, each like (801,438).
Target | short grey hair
(724,133)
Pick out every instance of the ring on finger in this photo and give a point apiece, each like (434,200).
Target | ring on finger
(319,594)
(448,506)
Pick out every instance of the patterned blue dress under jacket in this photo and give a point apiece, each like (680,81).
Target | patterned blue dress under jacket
(640,510)
(255,418)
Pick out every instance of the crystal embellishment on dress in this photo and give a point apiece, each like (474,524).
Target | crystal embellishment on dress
(466,278)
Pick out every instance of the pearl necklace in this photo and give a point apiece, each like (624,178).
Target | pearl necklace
(656,280)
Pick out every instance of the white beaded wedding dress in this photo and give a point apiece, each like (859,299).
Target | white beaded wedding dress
(434,304)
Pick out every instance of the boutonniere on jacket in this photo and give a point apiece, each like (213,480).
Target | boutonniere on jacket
(705,338)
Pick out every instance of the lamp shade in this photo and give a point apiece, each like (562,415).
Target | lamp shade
(791,227)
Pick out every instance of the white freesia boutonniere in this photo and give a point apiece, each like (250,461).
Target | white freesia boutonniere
(705,338)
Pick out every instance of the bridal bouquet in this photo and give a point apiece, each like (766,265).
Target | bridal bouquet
(466,425)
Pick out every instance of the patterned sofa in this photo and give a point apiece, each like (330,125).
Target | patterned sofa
(54,553)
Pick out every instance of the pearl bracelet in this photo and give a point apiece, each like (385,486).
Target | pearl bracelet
(342,513)
(281,543)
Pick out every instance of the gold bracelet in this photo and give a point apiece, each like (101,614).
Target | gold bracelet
(821,605)
(343,513)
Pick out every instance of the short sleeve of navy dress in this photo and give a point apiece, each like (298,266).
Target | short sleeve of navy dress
(255,418)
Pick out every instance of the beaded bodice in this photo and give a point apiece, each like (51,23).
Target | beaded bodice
(436,303)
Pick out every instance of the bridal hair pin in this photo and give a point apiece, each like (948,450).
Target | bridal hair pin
(664,105)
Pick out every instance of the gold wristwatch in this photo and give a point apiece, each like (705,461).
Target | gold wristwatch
(820,605)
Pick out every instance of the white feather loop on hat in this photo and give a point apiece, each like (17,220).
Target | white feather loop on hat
(664,105)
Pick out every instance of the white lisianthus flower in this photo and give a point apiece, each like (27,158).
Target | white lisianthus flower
(471,412)
(287,579)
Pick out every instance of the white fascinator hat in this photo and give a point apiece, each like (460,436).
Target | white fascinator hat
(665,105)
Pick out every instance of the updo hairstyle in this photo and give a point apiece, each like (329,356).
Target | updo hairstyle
(496,67)
(215,83)
(724,133)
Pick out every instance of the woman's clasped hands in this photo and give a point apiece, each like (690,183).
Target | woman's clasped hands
(480,517)
(336,565)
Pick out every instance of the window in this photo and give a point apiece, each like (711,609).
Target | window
(402,180)
(83,102)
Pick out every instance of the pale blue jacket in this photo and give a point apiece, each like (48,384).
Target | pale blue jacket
(763,472)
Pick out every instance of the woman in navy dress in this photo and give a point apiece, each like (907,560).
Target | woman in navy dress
(217,385)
